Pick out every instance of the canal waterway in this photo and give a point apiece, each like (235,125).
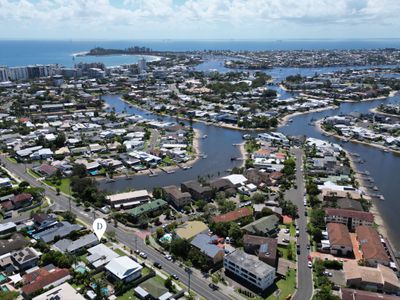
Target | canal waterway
(218,147)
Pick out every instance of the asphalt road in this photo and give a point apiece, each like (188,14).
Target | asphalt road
(304,274)
(198,283)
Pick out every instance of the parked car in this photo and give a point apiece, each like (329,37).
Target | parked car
(310,264)
(174,276)
(157,265)
(143,255)
(326,273)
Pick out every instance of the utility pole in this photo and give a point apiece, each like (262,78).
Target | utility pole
(189,271)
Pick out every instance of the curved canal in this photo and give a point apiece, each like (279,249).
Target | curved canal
(218,146)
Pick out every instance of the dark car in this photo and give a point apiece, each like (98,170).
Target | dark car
(213,286)
(157,265)
(174,276)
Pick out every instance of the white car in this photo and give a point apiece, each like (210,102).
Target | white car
(310,264)
(168,257)
(143,255)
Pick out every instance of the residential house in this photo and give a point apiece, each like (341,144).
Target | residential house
(63,291)
(151,207)
(174,196)
(371,246)
(346,203)
(350,218)
(266,226)
(379,279)
(44,278)
(7,228)
(264,247)
(84,242)
(223,185)
(190,229)
(60,230)
(25,258)
(5,182)
(352,294)
(339,239)
(46,170)
(15,242)
(208,245)
(18,201)
(124,269)
(100,255)
(250,269)
(233,215)
(196,190)
(43,221)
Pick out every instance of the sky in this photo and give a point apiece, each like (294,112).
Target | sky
(199,19)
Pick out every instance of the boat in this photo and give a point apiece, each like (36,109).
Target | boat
(246,136)
(153,175)
(205,136)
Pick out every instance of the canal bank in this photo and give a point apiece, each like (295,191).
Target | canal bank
(221,145)
(382,166)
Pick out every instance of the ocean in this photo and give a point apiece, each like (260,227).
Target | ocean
(21,53)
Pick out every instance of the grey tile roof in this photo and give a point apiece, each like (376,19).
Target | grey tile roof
(61,229)
(203,243)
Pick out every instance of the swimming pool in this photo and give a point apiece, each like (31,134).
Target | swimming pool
(3,277)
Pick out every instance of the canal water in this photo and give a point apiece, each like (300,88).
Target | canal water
(384,167)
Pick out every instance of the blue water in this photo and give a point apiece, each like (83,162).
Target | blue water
(20,53)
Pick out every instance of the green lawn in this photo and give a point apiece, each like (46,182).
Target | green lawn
(33,173)
(286,286)
(120,252)
(292,230)
(129,295)
(12,159)
(64,186)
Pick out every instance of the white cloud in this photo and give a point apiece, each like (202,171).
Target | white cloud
(166,17)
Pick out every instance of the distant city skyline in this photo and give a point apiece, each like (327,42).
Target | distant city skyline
(199,19)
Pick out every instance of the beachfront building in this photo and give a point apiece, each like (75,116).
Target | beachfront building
(129,199)
(250,269)
(350,218)
(174,196)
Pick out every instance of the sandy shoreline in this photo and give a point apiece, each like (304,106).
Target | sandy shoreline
(362,185)
(285,119)
(376,111)
(318,124)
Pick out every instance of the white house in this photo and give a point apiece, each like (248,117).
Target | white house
(125,269)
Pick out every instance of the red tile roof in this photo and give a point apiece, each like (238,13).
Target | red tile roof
(370,243)
(361,215)
(233,215)
(21,197)
(339,234)
(41,278)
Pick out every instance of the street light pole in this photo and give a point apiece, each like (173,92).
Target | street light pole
(189,271)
